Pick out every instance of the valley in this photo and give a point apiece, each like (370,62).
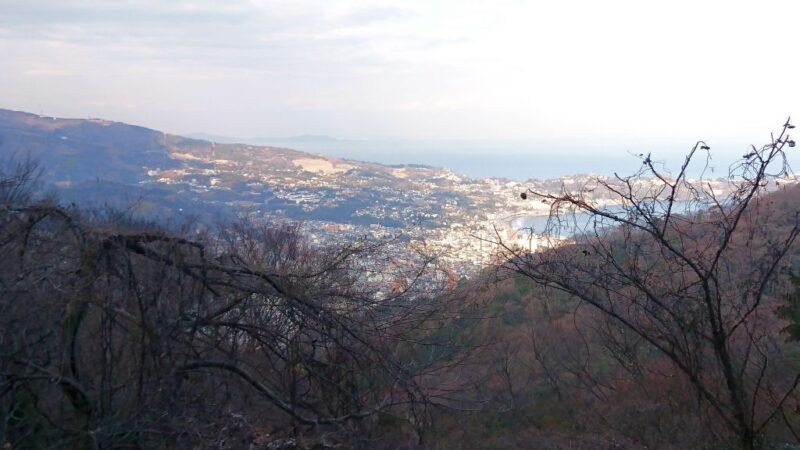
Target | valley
(458,219)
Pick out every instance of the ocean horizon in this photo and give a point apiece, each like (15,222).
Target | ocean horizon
(517,160)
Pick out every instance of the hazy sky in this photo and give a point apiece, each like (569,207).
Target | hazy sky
(429,69)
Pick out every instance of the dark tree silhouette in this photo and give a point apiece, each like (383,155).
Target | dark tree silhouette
(121,334)
(692,272)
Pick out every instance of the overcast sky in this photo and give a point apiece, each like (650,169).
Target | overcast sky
(427,69)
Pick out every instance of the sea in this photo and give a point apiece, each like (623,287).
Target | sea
(570,224)
(522,160)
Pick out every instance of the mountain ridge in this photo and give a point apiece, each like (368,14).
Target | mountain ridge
(96,162)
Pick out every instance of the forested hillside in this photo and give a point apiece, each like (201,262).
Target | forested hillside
(652,327)
(119,334)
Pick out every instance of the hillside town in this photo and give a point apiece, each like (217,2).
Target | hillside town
(458,219)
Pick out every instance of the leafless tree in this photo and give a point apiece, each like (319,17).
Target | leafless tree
(688,270)
(121,334)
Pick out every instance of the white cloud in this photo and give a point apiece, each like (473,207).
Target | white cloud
(445,68)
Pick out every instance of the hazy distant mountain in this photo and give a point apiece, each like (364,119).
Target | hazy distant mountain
(85,158)
(76,150)
(167,177)
(98,161)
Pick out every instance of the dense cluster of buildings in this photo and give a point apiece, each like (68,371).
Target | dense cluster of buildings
(459,220)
